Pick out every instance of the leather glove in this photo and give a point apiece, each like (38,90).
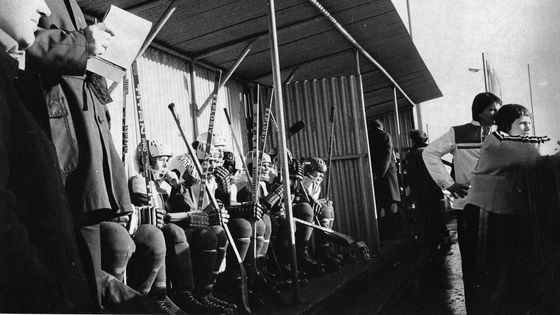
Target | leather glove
(151,215)
(247,210)
(217,216)
(223,178)
(197,219)
(295,169)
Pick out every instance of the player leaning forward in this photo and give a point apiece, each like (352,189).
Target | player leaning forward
(314,170)
(196,243)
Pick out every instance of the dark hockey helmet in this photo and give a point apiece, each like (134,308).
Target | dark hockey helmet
(313,164)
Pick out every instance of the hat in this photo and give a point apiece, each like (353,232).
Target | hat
(418,135)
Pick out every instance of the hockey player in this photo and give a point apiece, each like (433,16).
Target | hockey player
(314,170)
(193,247)
(302,209)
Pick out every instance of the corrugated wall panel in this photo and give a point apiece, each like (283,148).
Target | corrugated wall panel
(165,79)
(311,101)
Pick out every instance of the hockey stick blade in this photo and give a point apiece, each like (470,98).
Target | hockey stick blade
(295,128)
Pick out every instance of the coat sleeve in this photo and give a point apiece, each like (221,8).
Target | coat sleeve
(24,282)
(432,158)
(385,155)
(58,51)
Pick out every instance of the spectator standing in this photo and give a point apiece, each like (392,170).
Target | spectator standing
(500,190)
(40,267)
(425,193)
(464,142)
(71,104)
(386,184)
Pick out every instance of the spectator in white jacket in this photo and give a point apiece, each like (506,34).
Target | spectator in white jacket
(464,143)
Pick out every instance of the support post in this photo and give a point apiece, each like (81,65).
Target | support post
(531,99)
(194,107)
(368,180)
(484,69)
(274,56)
(398,135)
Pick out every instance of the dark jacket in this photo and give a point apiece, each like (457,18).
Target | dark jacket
(40,268)
(422,186)
(94,175)
(384,168)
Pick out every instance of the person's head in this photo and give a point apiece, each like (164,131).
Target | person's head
(514,119)
(376,123)
(417,136)
(158,157)
(315,168)
(19,18)
(185,169)
(214,156)
(232,162)
(484,107)
(265,161)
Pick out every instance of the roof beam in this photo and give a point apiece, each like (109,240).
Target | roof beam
(304,63)
(351,39)
(231,44)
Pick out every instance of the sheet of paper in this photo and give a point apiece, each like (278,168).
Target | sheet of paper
(130,32)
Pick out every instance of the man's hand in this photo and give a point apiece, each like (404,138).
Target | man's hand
(160,217)
(98,37)
(171,178)
(458,190)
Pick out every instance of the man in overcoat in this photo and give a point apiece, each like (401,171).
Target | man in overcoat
(40,266)
(386,184)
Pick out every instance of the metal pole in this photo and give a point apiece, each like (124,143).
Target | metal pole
(531,99)
(282,139)
(484,72)
(409,18)
(351,39)
(194,107)
(376,241)
(398,125)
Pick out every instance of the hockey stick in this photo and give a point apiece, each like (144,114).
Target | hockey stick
(124,125)
(334,236)
(295,128)
(341,239)
(205,163)
(149,216)
(242,271)
(331,140)
(237,146)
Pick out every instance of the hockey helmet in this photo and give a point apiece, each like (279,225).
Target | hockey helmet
(313,164)
(263,156)
(232,159)
(213,155)
(155,150)
(183,166)
(218,139)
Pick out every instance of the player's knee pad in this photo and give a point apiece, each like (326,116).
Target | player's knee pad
(115,240)
(268,226)
(174,235)
(150,239)
(303,211)
(240,228)
(261,227)
(205,239)
(220,234)
(326,213)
